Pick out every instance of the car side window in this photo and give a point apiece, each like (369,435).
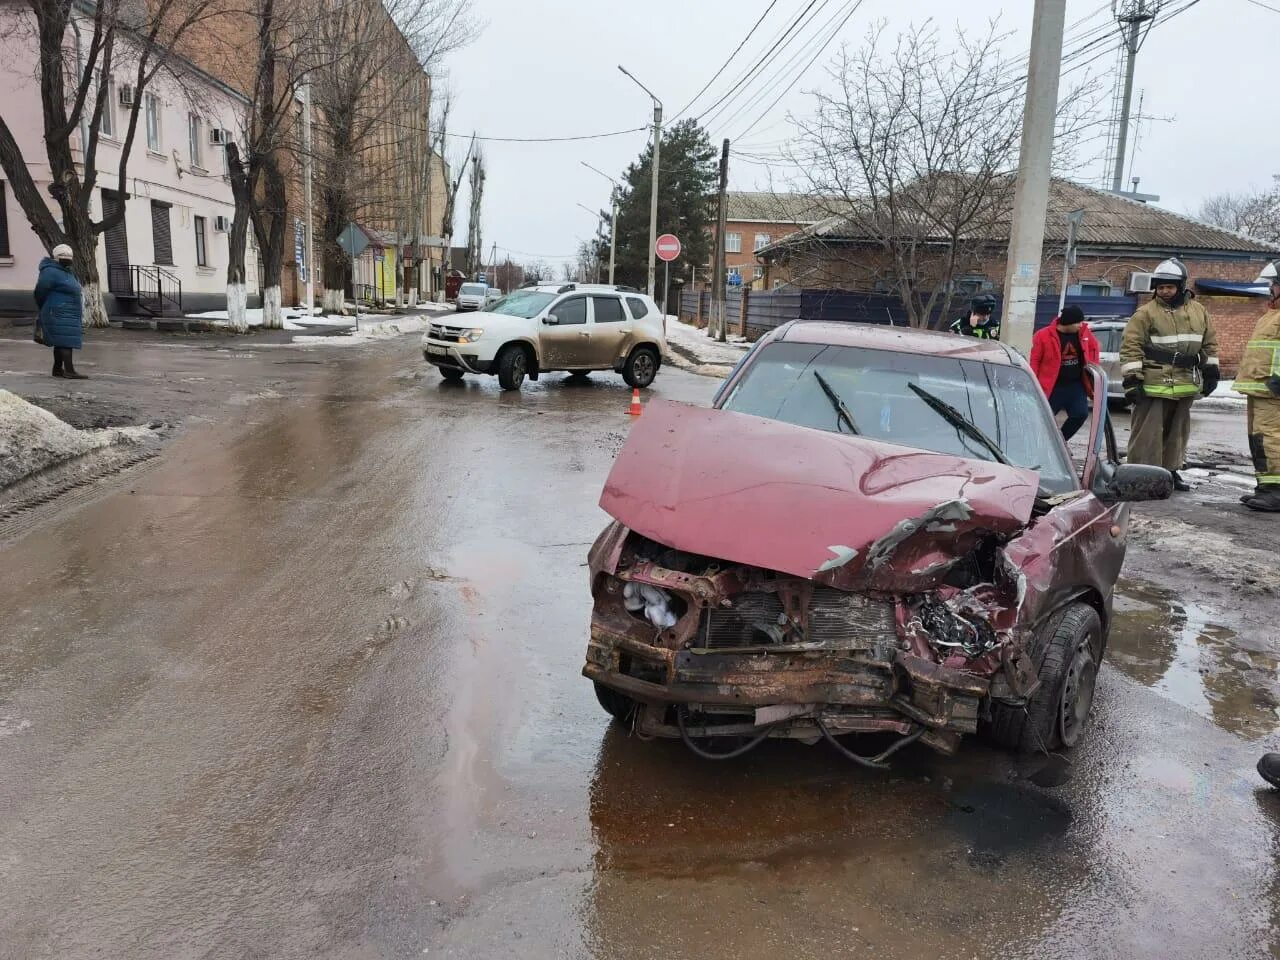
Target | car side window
(638,307)
(571,311)
(608,310)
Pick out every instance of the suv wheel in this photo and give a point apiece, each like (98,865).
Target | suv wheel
(513,364)
(1058,712)
(617,705)
(451,373)
(641,367)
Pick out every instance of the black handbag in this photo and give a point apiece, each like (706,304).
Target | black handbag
(38,333)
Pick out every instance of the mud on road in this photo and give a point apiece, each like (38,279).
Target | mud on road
(308,685)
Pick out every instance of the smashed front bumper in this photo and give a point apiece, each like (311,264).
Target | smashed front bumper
(750,652)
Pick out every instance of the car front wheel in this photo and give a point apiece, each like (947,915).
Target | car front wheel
(617,705)
(641,367)
(1058,712)
(513,365)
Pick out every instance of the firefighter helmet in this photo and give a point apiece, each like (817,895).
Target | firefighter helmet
(1170,271)
(1270,273)
(984,304)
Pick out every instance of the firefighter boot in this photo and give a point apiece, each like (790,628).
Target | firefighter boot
(1267,499)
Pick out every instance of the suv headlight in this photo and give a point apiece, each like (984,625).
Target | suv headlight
(470,336)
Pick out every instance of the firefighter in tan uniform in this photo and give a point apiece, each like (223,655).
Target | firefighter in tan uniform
(1259,380)
(1168,356)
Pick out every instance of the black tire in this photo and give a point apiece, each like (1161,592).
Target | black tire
(451,373)
(641,367)
(617,705)
(513,365)
(1058,712)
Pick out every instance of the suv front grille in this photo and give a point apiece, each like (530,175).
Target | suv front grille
(449,334)
(836,617)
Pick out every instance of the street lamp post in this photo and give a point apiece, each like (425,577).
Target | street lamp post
(596,214)
(613,217)
(653,199)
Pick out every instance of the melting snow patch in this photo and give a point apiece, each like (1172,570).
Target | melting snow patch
(32,439)
(370,331)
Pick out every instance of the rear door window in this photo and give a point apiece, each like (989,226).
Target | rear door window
(608,310)
(571,311)
(637,307)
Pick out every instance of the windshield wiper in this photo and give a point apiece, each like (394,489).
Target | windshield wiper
(836,402)
(960,422)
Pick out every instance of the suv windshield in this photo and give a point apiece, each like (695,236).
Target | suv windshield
(522,303)
(1109,340)
(875,387)
(472,289)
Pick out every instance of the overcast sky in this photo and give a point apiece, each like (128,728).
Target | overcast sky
(548,68)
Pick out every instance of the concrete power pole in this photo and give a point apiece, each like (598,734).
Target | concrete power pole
(1131,19)
(653,199)
(718,278)
(1031,195)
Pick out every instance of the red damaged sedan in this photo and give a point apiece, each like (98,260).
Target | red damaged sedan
(873,530)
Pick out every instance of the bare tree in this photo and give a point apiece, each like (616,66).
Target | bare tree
(372,55)
(1253,212)
(76,46)
(451,187)
(475,242)
(913,153)
(538,270)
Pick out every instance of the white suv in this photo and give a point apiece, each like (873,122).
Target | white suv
(534,330)
(475,296)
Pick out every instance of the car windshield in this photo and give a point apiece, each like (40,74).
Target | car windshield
(522,303)
(472,289)
(875,388)
(1109,340)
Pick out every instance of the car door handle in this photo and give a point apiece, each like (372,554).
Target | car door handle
(585,333)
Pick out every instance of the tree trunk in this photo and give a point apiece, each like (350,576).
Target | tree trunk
(445,263)
(237,293)
(84,247)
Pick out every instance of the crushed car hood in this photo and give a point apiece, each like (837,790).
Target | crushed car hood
(840,509)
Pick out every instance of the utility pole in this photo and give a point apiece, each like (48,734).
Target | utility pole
(653,198)
(613,217)
(308,240)
(1131,19)
(718,279)
(1031,194)
(493,264)
(1074,219)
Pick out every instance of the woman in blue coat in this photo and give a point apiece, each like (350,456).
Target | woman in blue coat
(61,304)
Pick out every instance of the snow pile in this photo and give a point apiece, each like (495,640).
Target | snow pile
(32,439)
(292,317)
(369,331)
(686,342)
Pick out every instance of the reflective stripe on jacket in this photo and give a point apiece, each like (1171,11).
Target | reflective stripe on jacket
(1185,328)
(1261,357)
(988,329)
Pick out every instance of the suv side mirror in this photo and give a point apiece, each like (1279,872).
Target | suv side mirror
(551,319)
(1132,483)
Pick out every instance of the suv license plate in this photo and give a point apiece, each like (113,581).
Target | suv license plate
(437,351)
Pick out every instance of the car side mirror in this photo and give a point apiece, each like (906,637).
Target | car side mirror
(551,319)
(1132,483)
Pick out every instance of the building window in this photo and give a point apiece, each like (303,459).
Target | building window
(152,112)
(759,273)
(202,255)
(161,236)
(733,243)
(4,223)
(1098,288)
(971,285)
(107,125)
(733,273)
(195,134)
(762,240)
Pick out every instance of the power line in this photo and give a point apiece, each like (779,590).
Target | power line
(764,60)
(585,136)
(723,66)
(852,9)
(1259,3)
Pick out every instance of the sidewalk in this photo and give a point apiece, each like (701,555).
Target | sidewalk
(691,349)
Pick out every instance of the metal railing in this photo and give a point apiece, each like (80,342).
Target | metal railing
(150,287)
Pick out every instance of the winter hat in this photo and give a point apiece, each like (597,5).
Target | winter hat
(63,252)
(1071,316)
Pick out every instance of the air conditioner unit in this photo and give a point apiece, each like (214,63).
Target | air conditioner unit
(126,96)
(217,136)
(1140,282)
(222,224)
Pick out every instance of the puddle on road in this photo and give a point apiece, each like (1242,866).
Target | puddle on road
(1175,647)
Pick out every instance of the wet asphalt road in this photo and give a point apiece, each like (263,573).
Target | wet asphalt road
(309,686)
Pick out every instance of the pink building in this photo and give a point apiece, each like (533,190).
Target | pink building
(177,201)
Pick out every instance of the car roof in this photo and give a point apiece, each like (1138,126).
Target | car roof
(1106,321)
(873,336)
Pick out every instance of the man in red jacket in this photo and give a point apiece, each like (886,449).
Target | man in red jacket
(1059,353)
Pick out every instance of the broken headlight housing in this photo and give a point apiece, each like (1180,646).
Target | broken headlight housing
(653,603)
(949,630)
